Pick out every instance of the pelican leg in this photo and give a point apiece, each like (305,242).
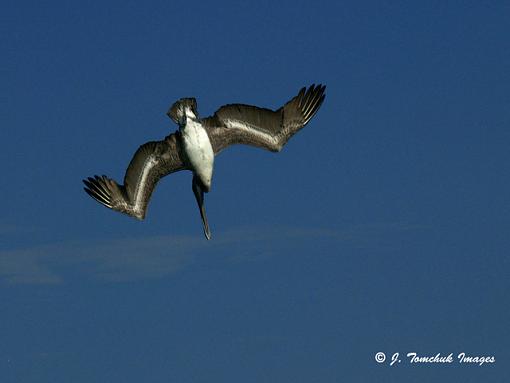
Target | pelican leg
(199,195)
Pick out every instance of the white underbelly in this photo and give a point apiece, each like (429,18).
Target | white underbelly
(199,151)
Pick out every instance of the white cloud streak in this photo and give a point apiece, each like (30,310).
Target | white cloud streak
(159,256)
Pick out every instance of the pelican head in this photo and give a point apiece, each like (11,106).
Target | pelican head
(183,109)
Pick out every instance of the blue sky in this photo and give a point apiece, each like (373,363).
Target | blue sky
(382,226)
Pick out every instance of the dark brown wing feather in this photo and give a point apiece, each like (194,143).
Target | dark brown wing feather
(150,163)
(245,124)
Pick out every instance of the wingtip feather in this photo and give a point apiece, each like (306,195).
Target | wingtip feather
(311,101)
(97,189)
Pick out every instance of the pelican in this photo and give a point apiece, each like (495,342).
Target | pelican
(194,145)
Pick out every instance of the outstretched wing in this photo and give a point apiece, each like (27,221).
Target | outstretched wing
(151,162)
(264,128)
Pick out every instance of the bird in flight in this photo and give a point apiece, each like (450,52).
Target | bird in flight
(194,145)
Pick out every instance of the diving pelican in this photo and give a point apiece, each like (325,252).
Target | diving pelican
(194,145)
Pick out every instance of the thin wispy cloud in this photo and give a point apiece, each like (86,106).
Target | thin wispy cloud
(127,259)
(114,260)
(7,229)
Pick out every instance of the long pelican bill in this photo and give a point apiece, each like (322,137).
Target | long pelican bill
(199,195)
